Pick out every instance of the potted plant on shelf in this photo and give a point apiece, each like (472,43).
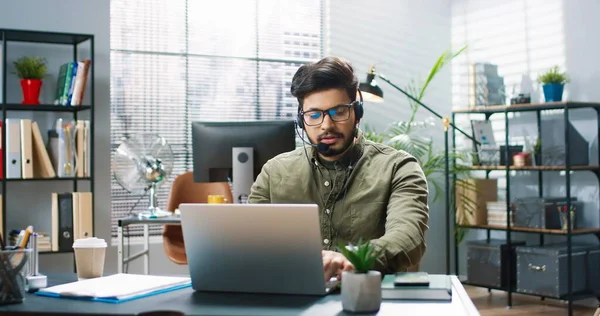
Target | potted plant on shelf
(553,82)
(31,70)
(537,152)
(361,288)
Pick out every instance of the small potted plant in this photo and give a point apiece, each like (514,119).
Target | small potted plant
(537,152)
(361,288)
(31,70)
(553,82)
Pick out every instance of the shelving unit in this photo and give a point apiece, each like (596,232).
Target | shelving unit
(42,37)
(567,168)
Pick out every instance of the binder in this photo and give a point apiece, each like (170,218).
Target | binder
(13,148)
(26,150)
(65,221)
(42,166)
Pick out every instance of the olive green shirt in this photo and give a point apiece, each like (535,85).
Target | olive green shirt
(374,192)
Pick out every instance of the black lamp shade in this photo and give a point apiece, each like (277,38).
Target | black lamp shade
(370,90)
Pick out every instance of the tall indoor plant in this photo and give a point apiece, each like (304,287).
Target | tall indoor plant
(31,71)
(361,288)
(407,136)
(553,82)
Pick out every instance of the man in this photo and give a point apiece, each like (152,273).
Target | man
(363,189)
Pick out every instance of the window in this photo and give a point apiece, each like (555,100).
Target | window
(513,35)
(177,61)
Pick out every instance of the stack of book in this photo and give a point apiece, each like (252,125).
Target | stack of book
(72,79)
(497,213)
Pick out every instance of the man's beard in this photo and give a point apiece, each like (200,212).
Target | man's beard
(330,151)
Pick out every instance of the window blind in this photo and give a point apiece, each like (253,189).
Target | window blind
(177,61)
(523,38)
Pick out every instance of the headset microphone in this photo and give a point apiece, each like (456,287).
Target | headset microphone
(321,147)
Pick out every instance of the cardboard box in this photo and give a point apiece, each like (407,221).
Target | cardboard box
(472,196)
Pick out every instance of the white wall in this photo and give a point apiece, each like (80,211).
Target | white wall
(403,39)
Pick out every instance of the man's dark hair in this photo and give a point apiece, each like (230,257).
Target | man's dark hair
(327,73)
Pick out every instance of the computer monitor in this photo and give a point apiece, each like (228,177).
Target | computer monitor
(236,151)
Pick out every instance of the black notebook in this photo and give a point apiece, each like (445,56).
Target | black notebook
(439,288)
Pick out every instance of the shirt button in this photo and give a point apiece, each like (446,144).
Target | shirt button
(326,183)
(326,241)
(327,211)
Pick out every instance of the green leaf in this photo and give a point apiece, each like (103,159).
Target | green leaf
(30,67)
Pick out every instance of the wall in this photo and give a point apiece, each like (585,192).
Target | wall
(62,16)
(403,39)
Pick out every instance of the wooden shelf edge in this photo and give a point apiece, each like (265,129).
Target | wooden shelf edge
(527,107)
(44,179)
(531,168)
(577,231)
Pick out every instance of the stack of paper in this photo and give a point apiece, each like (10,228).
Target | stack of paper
(117,288)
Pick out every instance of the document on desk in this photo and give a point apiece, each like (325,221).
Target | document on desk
(117,288)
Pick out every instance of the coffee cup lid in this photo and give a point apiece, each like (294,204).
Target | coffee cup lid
(90,242)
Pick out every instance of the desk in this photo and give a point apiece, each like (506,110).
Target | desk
(198,303)
(134,220)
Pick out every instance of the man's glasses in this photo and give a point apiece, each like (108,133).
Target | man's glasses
(337,114)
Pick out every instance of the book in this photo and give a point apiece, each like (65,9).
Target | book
(411,279)
(117,288)
(439,289)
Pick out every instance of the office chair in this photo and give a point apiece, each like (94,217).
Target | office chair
(185,190)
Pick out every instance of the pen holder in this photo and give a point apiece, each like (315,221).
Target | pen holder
(14,268)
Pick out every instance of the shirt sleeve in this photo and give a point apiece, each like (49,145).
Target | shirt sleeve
(406,220)
(260,191)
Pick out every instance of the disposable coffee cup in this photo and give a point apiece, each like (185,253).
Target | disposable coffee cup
(89,257)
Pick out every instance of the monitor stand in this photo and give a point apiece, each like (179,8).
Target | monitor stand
(243,173)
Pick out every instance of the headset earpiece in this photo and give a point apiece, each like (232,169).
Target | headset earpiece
(299,120)
(358,107)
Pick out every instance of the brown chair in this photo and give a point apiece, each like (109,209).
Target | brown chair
(185,190)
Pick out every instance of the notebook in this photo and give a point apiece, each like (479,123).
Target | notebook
(439,289)
(116,288)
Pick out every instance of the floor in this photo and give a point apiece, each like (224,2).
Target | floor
(494,303)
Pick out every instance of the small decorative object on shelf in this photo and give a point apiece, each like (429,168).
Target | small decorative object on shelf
(361,288)
(553,82)
(521,99)
(31,70)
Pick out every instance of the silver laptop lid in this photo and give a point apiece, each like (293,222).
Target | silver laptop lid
(256,248)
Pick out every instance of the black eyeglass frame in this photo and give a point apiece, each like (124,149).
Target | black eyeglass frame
(326,112)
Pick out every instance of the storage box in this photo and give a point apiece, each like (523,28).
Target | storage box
(542,270)
(488,263)
(543,212)
(472,196)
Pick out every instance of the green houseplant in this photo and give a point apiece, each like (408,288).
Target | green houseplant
(361,288)
(408,136)
(31,71)
(553,82)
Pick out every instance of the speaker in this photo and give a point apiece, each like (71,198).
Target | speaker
(242,162)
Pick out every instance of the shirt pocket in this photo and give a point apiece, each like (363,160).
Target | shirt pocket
(367,220)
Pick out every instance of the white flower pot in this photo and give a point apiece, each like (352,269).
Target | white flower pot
(361,292)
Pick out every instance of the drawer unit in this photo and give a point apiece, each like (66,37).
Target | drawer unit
(488,263)
(542,270)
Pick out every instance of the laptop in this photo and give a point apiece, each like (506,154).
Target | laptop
(255,248)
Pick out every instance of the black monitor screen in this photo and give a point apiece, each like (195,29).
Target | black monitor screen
(213,142)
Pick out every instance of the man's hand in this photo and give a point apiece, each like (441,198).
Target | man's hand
(334,263)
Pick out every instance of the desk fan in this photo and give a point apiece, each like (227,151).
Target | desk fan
(143,162)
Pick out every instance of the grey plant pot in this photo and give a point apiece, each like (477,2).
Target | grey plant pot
(361,292)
